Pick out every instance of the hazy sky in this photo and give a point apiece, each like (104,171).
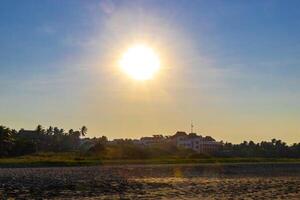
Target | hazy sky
(233,67)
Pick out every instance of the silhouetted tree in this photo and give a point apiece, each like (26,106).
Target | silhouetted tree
(83,130)
(6,141)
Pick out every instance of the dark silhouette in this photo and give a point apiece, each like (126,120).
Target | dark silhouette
(54,139)
(273,149)
(22,142)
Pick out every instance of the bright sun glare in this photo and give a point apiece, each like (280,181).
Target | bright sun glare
(140,62)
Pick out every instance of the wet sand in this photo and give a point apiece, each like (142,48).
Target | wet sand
(230,181)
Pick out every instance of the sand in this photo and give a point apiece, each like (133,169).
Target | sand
(255,181)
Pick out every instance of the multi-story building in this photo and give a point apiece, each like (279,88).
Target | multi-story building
(196,142)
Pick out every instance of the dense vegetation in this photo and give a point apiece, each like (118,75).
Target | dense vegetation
(126,149)
(22,142)
(17,143)
(273,149)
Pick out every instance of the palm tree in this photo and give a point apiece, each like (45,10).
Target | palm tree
(5,141)
(83,130)
(39,137)
(39,129)
(71,132)
(50,130)
(61,131)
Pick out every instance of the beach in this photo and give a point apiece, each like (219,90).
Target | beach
(176,181)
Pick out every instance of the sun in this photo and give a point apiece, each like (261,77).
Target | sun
(140,62)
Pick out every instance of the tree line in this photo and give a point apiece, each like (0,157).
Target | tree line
(268,149)
(52,139)
(127,149)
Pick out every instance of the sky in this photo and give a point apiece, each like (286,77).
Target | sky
(231,67)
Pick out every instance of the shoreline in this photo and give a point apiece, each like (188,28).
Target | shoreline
(86,162)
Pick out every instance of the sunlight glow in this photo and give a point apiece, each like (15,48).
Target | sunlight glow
(140,62)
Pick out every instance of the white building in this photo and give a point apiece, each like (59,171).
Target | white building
(156,139)
(197,143)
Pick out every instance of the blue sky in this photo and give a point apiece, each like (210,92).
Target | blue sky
(230,66)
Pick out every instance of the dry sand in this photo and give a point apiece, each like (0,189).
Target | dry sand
(255,181)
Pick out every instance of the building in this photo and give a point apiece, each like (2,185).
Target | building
(181,139)
(196,142)
(155,139)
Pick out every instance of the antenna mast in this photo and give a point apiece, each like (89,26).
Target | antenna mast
(192,127)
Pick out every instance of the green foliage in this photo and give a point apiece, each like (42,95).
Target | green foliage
(50,159)
(129,150)
(273,149)
(6,141)
(126,149)
(16,143)
(54,139)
